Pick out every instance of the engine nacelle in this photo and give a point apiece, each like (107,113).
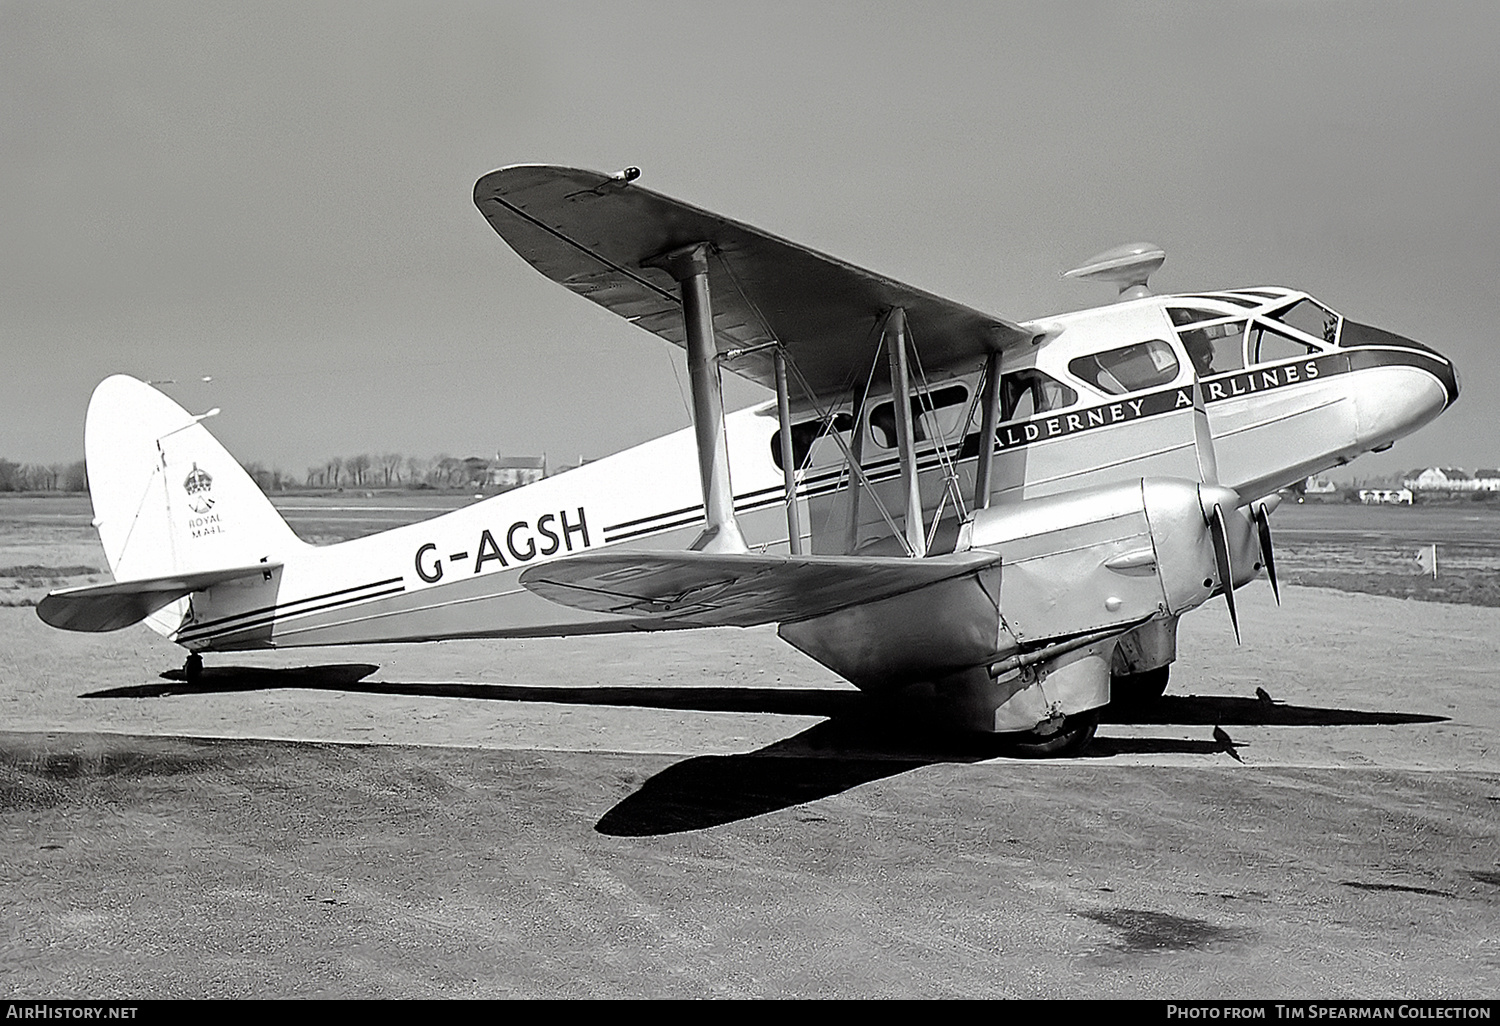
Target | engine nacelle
(1076,570)
(1109,556)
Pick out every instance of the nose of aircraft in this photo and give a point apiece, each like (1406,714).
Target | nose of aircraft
(1405,384)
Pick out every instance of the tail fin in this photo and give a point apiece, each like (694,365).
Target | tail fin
(168,498)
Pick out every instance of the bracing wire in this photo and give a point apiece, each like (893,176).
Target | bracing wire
(849,457)
(826,413)
(686,405)
(950,469)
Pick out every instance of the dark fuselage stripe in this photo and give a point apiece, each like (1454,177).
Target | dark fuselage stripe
(285,608)
(1019,434)
(221,632)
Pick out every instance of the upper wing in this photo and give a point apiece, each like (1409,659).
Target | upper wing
(736,590)
(108,607)
(593,233)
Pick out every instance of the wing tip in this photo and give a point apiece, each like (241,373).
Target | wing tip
(511,177)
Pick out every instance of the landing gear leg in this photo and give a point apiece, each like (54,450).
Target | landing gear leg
(1139,690)
(192,668)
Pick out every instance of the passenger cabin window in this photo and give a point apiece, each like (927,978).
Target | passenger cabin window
(1215,348)
(1311,318)
(938,414)
(1143,365)
(805,437)
(1267,345)
(1025,393)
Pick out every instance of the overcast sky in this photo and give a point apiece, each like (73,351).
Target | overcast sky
(279,195)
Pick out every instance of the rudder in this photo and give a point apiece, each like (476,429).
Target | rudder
(167,497)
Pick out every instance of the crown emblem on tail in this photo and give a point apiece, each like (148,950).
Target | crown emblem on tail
(198,481)
(197,485)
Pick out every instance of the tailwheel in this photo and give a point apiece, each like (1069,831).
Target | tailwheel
(1138,690)
(1063,740)
(192,668)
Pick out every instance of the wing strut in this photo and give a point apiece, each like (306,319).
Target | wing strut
(895,330)
(855,458)
(688,265)
(991,417)
(788,464)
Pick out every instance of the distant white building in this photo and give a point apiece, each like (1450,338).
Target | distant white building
(1443,479)
(514,471)
(1319,486)
(1385,496)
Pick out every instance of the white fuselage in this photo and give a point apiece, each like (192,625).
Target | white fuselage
(1274,420)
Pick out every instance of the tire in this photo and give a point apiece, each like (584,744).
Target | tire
(1139,690)
(1071,739)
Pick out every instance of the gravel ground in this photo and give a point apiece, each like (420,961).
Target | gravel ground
(711,814)
(170,867)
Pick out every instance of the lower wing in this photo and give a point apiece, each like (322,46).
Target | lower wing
(736,590)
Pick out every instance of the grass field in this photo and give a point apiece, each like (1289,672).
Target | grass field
(47,542)
(1372,549)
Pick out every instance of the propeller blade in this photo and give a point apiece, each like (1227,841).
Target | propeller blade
(1220,533)
(1263,528)
(1203,438)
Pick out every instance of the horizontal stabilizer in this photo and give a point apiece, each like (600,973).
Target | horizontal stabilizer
(109,607)
(736,589)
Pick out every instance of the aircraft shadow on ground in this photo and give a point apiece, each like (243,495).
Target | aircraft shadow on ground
(865,745)
(1213,710)
(1171,710)
(349,677)
(824,760)
(860,741)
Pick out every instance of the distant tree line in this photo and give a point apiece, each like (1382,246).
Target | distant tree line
(39,477)
(375,470)
(367,470)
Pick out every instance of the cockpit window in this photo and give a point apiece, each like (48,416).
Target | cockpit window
(1311,318)
(1215,349)
(1025,393)
(934,414)
(804,435)
(1228,297)
(1183,315)
(1267,345)
(1143,365)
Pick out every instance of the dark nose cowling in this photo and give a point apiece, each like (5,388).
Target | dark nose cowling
(1374,347)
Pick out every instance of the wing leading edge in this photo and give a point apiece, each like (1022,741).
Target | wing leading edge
(596,234)
(699,589)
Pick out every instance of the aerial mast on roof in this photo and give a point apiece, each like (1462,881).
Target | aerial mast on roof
(1127,267)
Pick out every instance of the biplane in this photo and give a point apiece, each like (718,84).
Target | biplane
(999,521)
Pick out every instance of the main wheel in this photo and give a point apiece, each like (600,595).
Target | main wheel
(1138,690)
(1070,738)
